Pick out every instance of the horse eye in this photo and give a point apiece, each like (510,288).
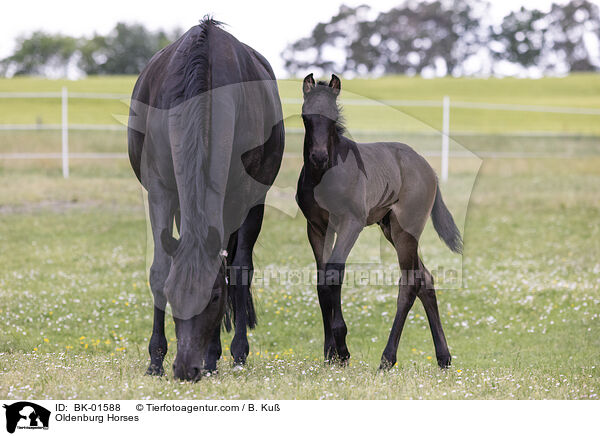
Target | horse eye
(215,298)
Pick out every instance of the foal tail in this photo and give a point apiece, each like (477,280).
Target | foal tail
(444,225)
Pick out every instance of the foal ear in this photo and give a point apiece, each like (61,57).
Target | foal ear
(335,84)
(308,84)
(169,243)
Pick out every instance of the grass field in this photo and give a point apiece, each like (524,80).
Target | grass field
(76,312)
(572,91)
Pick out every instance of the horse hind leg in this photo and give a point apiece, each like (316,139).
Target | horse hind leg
(406,249)
(427,296)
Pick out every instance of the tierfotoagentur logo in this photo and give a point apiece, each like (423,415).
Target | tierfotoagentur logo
(27,416)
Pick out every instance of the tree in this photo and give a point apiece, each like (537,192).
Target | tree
(40,54)
(126,50)
(520,37)
(425,36)
(567,29)
(315,50)
(411,38)
(552,42)
(446,36)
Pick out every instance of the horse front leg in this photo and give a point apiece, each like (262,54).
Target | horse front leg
(214,352)
(347,234)
(157,348)
(321,244)
(162,205)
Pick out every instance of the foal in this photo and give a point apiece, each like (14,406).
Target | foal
(345,186)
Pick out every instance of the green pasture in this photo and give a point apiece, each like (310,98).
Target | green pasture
(579,91)
(76,311)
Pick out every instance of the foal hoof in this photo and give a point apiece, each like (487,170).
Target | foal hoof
(385,365)
(155,370)
(444,362)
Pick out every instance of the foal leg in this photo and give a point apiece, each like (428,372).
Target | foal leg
(241,278)
(162,205)
(427,296)
(406,249)
(347,234)
(321,244)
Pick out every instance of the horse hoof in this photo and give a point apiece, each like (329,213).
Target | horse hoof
(155,371)
(240,361)
(238,368)
(210,373)
(444,362)
(344,360)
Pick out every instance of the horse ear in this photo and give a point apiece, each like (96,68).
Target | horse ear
(335,84)
(308,84)
(169,243)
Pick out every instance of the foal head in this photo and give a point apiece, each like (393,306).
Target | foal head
(321,118)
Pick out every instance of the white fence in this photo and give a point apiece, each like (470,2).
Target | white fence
(64,96)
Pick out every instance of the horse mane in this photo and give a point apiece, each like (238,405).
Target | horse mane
(196,68)
(208,20)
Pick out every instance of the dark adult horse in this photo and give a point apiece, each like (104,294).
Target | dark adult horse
(345,186)
(206,141)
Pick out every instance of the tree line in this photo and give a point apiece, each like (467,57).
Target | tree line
(432,38)
(124,50)
(455,37)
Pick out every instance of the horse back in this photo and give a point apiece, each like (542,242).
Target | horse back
(205,58)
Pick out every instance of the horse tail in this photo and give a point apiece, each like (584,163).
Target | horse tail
(250,312)
(444,225)
(230,311)
(193,120)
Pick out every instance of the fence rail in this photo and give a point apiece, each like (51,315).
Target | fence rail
(444,104)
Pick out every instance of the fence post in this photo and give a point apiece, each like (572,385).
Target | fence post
(445,136)
(65,132)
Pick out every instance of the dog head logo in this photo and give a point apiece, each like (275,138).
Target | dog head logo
(26,415)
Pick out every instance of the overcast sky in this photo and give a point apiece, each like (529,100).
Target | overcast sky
(266,25)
